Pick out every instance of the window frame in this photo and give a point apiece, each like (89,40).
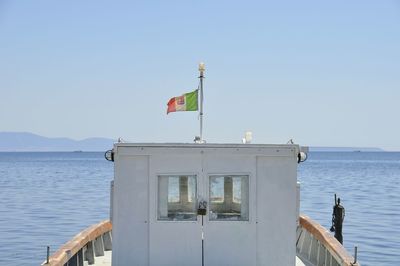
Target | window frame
(157,199)
(249,200)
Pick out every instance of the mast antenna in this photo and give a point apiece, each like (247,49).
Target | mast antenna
(202,69)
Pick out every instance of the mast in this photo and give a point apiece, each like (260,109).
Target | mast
(202,68)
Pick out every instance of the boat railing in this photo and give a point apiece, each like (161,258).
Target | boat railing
(88,245)
(315,245)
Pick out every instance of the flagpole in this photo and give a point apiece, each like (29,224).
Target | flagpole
(202,68)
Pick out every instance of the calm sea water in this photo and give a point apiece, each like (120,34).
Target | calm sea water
(46,198)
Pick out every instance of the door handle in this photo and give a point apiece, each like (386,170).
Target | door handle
(202,209)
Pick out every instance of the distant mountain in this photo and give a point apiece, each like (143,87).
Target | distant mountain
(24,141)
(344,149)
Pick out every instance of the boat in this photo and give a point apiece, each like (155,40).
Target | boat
(204,204)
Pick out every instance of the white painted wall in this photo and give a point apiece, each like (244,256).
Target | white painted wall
(276,210)
(131,211)
(268,238)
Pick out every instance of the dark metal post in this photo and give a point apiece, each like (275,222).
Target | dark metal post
(337,220)
(355,255)
(48,255)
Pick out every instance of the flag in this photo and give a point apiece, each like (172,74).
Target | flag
(186,102)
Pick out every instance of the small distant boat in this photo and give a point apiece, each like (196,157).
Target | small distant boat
(77,151)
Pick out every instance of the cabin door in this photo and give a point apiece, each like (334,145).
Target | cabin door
(230,226)
(175,227)
(202,211)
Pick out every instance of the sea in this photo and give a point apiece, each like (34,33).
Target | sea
(47,198)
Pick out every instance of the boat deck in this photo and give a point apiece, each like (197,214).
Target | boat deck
(299,262)
(106,261)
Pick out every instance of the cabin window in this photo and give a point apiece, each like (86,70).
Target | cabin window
(229,197)
(177,197)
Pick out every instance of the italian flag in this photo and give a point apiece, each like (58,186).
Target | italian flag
(186,102)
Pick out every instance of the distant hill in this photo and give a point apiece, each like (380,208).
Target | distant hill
(24,141)
(344,149)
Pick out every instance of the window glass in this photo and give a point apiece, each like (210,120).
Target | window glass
(216,189)
(192,189)
(173,192)
(237,189)
(229,197)
(177,198)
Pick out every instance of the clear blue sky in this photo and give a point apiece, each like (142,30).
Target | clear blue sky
(322,73)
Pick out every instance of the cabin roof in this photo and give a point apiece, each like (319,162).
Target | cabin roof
(249,149)
(207,145)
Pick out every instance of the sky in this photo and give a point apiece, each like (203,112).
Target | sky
(321,73)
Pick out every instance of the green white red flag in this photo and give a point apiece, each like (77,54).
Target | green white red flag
(186,102)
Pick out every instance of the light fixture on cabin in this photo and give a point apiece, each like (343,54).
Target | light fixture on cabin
(248,137)
(301,157)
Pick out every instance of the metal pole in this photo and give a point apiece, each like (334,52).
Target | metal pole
(355,255)
(201,69)
(48,255)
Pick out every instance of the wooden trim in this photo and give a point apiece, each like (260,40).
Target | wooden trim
(62,255)
(69,249)
(327,240)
